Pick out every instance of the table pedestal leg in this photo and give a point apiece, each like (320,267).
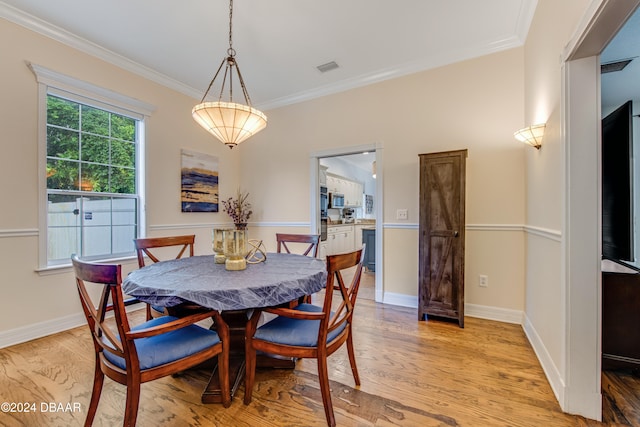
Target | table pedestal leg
(237,322)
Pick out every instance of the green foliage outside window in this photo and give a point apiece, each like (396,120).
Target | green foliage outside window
(89,149)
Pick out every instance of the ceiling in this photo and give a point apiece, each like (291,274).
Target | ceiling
(279,43)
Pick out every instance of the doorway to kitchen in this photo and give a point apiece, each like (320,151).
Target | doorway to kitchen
(347,187)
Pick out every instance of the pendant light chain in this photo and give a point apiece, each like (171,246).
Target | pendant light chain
(230,122)
(231,52)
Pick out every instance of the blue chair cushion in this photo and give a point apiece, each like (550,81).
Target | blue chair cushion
(288,331)
(158,308)
(168,347)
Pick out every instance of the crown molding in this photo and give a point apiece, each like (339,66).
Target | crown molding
(67,38)
(444,58)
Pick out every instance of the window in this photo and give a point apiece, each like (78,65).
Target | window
(91,149)
(92,202)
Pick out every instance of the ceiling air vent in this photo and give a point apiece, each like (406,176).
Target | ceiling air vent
(327,67)
(611,67)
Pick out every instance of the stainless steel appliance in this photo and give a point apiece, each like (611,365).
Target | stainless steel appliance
(324,201)
(323,229)
(349,215)
(336,200)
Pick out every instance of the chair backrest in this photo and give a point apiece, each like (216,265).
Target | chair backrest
(107,277)
(312,239)
(345,293)
(144,246)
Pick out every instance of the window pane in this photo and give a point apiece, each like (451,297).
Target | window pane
(95,121)
(61,112)
(95,178)
(123,128)
(123,153)
(125,227)
(62,175)
(96,216)
(123,180)
(64,229)
(62,143)
(90,150)
(123,236)
(95,149)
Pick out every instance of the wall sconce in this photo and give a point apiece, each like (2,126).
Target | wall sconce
(531,135)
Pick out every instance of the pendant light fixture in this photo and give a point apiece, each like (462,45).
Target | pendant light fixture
(229,121)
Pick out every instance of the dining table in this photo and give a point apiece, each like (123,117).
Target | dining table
(199,281)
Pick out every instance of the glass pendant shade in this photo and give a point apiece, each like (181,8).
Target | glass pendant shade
(230,122)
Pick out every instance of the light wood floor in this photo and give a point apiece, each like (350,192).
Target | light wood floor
(413,374)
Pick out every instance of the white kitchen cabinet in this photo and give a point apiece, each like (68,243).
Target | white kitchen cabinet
(322,249)
(340,239)
(357,235)
(333,184)
(352,190)
(322,175)
(353,196)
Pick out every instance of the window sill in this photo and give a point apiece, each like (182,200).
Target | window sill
(67,268)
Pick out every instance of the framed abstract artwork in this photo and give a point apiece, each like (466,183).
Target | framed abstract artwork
(199,182)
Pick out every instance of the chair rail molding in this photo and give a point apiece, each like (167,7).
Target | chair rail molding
(26,232)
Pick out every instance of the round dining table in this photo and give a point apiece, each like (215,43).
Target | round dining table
(199,281)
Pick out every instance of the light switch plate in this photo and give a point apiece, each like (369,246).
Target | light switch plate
(402,214)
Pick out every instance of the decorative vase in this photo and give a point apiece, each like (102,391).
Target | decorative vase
(218,245)
(241,225)
(235,249)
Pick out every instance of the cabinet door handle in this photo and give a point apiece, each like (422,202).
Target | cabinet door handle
(456,234)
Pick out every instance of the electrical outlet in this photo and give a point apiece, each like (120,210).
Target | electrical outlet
(402,214)
(483,281)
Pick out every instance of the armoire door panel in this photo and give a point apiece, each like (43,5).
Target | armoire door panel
(441,247)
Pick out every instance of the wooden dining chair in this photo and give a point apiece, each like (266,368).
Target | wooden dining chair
(310,331)
(313,240)
(151,350)
(307,244)
(151,247)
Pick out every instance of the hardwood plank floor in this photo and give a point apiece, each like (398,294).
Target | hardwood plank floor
(621,397)
(413,374)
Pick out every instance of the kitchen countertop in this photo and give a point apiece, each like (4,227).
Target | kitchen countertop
(333,223)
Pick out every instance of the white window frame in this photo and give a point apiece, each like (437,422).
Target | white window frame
(54,83)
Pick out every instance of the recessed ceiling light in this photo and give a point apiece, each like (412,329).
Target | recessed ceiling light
(327,67)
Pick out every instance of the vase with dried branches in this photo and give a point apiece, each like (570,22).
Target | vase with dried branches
(239,209)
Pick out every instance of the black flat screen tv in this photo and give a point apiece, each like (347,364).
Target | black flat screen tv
(617,185)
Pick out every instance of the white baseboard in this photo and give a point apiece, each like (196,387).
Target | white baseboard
(49,327)
(494,313)
(571,400)
(472,310)
(39,330)
(400,299)
(551,371)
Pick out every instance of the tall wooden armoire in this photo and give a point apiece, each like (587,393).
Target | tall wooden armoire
(442,226)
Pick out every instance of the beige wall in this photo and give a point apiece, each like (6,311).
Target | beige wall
(31,299)
(562,319)
(476,104)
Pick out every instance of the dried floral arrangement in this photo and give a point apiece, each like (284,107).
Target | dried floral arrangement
(239,209)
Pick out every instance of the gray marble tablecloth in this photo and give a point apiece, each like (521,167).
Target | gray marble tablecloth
(281,278)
